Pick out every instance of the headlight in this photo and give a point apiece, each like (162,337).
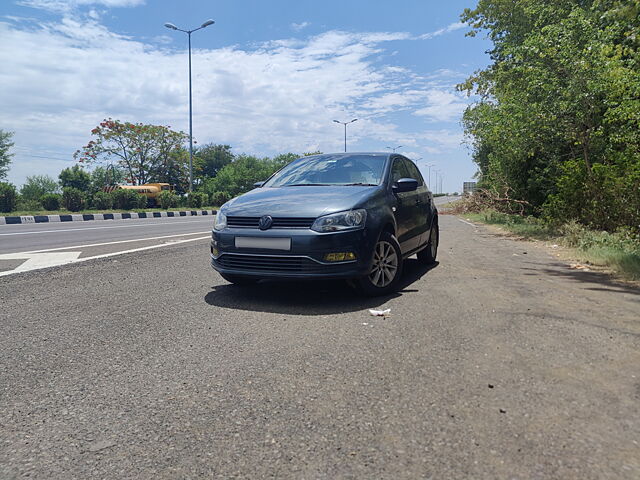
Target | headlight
(220,222)
(337,222)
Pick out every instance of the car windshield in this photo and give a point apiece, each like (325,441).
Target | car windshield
(344,170)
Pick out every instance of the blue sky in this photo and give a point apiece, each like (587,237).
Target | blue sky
(269,76)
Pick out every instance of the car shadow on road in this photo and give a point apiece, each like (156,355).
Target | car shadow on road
(308,297)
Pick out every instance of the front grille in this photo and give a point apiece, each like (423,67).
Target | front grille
(278,222)
(275,264)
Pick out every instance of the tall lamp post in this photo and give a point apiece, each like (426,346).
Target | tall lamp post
(394,148)
(189,32)
(345,130)
(429,165)
(437,172)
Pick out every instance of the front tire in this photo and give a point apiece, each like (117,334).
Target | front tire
(239,279)
(428,255)
(386,268)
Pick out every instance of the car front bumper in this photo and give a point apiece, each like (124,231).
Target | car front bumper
(305,258)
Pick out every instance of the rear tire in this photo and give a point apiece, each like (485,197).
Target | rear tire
(386,268)
(428,255)
(239,279)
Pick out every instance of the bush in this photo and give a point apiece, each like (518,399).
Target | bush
(50,201)
(25,205)
(197,199)
(72,199)
(7,197)
(143,201)
(167,199)
(219,198)
(124,199)
(102,201)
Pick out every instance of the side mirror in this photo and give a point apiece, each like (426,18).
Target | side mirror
(405,185)
(258,184)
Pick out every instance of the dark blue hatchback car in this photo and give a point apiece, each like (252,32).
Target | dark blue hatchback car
(353,216)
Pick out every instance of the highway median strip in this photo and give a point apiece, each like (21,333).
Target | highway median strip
(84,217)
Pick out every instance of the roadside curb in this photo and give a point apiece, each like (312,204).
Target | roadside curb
(85,217)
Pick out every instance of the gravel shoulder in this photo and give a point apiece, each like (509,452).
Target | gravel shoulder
(494,364)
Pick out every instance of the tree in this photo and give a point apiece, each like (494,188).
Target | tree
(105,176)
(75,177)
(558,121)
(5,156)
(145,152)
(239,176)
(38,185)
(210,158)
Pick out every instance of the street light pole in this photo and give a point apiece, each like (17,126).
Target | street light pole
(394,148)
(345,131)
(189,32)
(429,167)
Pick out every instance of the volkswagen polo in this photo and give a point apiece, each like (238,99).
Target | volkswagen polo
(353,216)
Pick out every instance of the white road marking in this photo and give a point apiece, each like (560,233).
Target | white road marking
(114,243)
(468,223)
(103,228)
(36,261)
(105,255)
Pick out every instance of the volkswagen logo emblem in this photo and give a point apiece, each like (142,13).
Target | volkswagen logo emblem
(265,222)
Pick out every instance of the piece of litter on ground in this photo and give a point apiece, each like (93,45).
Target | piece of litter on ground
(380,313)
(554,246)
(578,266)
(365,323)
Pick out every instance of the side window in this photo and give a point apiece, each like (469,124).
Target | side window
(398,170)
(414,172)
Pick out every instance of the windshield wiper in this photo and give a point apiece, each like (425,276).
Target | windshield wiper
(308,185)
(360,184)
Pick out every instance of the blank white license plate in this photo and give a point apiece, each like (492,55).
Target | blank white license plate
(264,242)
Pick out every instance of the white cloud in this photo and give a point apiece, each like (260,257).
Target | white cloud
(69,5)
(299,26)
(442,106)
(449,28)
(61,79)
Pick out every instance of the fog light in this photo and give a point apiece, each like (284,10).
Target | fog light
(339,257)
(214,251)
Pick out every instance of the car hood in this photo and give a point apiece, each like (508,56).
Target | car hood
(307,201)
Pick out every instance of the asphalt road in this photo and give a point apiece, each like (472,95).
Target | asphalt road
(494,364)
(40,236)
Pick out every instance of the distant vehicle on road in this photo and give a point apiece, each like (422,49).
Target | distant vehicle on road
(151,190)
(353,216)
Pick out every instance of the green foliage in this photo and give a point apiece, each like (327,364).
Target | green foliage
(102,201)
(75,177)
(7,197)
(209,159)
(197,199)
(38,185)
(50,201)
(143,201)
(73,199)
(106,176)
(147,153)
(124,199)
(239,176)
(167,199)
(5,156)
(557,124)
(219,198)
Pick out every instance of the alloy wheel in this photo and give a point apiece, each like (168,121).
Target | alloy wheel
(385,264)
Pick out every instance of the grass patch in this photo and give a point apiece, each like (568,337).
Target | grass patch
(618,251)
(88,211)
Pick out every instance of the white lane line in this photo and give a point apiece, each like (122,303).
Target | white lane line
(114,243)
(107,255)
(102,228)
(468,223)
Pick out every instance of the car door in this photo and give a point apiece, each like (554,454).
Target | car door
(423,212)
(404,209)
